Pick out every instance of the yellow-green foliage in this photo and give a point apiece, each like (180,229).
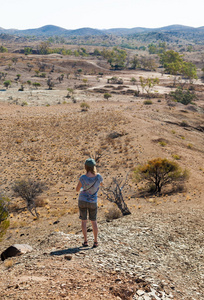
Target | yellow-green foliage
(85,106)
(176,156)
(159,172)
(4,214)
(162,143)
(148,102)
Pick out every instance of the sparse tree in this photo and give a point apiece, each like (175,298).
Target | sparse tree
(174,64)
(28,50)
(160,172)
(50,83)
(133,80)
(135,62)
(14,60)
(36,85)
(29,190)
(44,48)
(116,58)
(107,96)
(189,71)
(3,49)
(70,92)
(114,193)
(7,83)
(148,84)
(18,76)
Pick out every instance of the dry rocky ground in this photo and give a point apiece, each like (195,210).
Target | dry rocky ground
(154,253)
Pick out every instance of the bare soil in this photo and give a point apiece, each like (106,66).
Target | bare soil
(45,136)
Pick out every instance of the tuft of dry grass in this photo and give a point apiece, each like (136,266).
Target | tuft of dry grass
(8,263)
(112,214)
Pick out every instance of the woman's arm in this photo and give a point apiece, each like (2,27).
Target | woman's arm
(79,185)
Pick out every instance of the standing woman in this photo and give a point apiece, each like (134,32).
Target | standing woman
(88,186)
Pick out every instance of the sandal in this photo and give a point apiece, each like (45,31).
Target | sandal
(85,244)
(95,245)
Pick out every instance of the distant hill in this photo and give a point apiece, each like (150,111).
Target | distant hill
(167,33)
(47,30)
(51,30)
(85,31)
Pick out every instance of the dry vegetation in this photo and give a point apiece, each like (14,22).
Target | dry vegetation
(45,136)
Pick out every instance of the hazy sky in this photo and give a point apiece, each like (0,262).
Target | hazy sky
(101,14)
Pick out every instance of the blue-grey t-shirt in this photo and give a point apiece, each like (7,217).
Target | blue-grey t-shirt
(90,187)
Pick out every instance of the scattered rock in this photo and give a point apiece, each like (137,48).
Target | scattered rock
(68,257)
(140,292)
(114,135)
(15,250)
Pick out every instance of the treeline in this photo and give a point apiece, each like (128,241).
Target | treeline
(171,61)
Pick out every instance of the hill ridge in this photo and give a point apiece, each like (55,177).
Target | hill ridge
(48,30)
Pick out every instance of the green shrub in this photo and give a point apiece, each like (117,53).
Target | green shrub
(190,146)
(4,214)
(183,96)
(107,96)
(3,49)
(175,156)
(84,106)
(147,102)
(36,84)
(7,83)
(162,143)
(159,172)
(43,75)
(28,50)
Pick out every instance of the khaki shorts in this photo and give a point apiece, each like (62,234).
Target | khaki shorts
(87,206)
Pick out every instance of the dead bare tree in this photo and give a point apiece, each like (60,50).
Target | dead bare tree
(28,191)
(114,194)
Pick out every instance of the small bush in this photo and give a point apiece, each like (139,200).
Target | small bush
(159,172)
(4,214)
(29,190)
(107,96)
(115,80)
(190,146)
(36,84)
(162,143)
(84,106)
(7,83)
(175,156)
(24,103)
(147,102)
(184,124)
(183,96)
(41,202)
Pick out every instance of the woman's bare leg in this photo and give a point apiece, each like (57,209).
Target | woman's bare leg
(84,229)
(95,230)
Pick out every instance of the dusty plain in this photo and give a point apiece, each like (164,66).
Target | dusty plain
(45,136)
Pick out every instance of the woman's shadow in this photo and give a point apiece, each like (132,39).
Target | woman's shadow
(69,251)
